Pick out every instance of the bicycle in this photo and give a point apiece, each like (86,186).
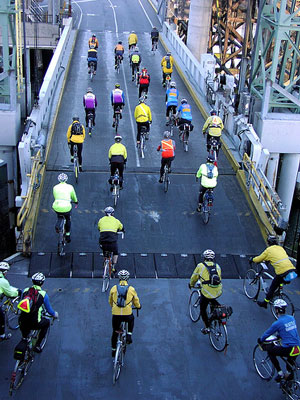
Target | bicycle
(117,117)
(61,230)
(9,306)
(254,282)
(165,177)
(168,81)
(90,118)
(144,137)
(208,201)
(107,267)
(172,123)
(184,136)
(92,70)
(76,162)
(265,369)
(213,149)
(121,348)
(118,63)
(25,358)
(154,45)
(116,187)
(217,317)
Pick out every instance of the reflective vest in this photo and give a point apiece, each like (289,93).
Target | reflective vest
(167,147)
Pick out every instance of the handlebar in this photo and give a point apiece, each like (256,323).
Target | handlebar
(122,234)
(137,310)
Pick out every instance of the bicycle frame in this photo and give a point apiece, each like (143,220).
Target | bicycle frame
(142,146)
(76,162)
(90,117)
(116,187)
(207,205)
(61,235)
(117,118)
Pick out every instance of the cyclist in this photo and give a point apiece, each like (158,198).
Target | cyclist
(208,173)
(93,42)
(63,194)
(117,157)
(172,95)
(185,113)
(167,63)
(144,81)
(117,101)
(285,327)
(119,51)
(135,61)
(8,291)
(208,273)
(90,104)
(143,117)
(154,37)
(122,314)
(34,319)
(167,147)
(132,40)
(213,127)
(76,135)
(92,57)
(284,269)
(108,227)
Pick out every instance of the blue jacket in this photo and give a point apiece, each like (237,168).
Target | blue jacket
(172,97)
(185,110)
(286,328)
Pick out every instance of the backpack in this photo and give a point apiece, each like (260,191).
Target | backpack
(144,78)
(214,279)
(215,123)
(122,293)
(168,64)
(76,129)
(210,168)
(135,59)
(29,303)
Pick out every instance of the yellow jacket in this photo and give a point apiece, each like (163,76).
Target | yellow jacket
(75,138)
(202,273)
(117,149)
(214,125)
(132,39)
(277,257)
(131,299)
(202,173)
(93,44)
(142,113)
(109,224)
(164,65)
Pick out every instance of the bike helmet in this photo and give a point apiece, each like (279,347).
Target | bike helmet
(142,99)
(183,101)
(209,254)
(136,48)
(120,42)
(280,305)
(38,279)
(109,211)
(117,85)
(173,84)
(118,138)
(213,112)
(166,134)
(89,89)
(4,266)
(169,53)
(93,35)
(75,118)
(132,32)
(62,177)
(123,275)
(210,159)
(272,240)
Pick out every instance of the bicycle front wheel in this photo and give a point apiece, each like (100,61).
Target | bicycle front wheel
(12,316)
(105,281)
(205,214)
(290,310)
(262,363)
(194,306)
(251,284)
(218,335)
(166,181)
(17,376)
(291,389)
(118,362)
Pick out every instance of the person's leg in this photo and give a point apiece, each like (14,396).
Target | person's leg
(130,321)
(162,167)
(121,170)
(273,352)
(114,249)
(278,279)
(2,322)
(68,221)
(86,117)
(203,307)
(168,115)
(138,136)
(72,151)
(201,194)
(24,328)
(43,326)
(80,146)
(140,90)
(94,115)
(116,322)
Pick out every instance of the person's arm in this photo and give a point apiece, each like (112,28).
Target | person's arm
(150,115)
(135,299)
(262,257)
(273,328)
(110,298)
(83,101)
(47,305)
(205,126)
(123,98)
(73,195)
(9,291)
(199,172)
(159,147)
(69,133)
(195,276)
(83,132)
(125,154)
(136,112)
(120,227)
(96,102)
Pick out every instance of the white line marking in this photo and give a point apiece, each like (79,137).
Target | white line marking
(92,15)
(126,90)
(80,9)
(84,1)
(146,14)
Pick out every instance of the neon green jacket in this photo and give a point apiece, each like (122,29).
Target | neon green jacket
(206,182)
(6,289)
(63,195)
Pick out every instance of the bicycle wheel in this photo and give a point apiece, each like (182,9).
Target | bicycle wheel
(166,181)
(118,362)
(105,282)
(290,310)
(218,335)
(142,146)
(12,316)
(76,169)
(17,376)
(291,389)
(262,363)
(44,341)
(90,127)
(251,284)
(115,195)
(117,122)
(194,306)
(205,212)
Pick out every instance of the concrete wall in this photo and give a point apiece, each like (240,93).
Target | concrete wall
(10,126)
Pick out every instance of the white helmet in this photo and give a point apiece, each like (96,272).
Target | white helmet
(209,254)
(173,84)
(123,275)
(62,177)
(109,211)
(38,278)
(280,305)
(4,266)
(167,134)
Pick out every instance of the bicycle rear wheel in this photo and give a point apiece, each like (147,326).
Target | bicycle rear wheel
(12,316)
(205,213)
(76,169)
(251,284)
(90,127)
(142,146)
(290,310)
(118,362)
(218,335)
(194,306)
(262,363)
(115,194)
(291,389)
(105,281)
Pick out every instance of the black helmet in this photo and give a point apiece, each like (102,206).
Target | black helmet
(213,112)
(120,42)
(272,240)
(38,278)
(183,101)
(75,118)
(210,159)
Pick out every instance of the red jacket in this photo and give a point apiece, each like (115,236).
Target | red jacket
(167,146)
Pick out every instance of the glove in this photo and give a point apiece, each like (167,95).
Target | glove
(150,122)
(259,341)
(250,260)
(140,307)
(56,315)
(197,179)
(76,205)
(20,292)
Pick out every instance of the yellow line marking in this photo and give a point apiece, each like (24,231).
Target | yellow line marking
(153,6)
(86,290)
(44,210)
(87,211)
(297,291)
(76,290)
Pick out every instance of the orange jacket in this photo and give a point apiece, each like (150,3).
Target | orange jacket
(167,147)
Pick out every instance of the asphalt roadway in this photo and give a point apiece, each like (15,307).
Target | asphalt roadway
(170,359)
